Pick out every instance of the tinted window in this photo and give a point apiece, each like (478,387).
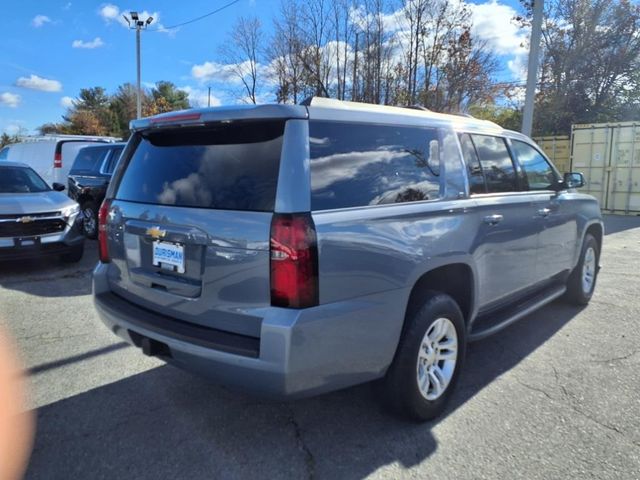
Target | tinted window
(476,177)
(355,165)
(89,159)
(496,163)
(539,174)
(113,160)
(21,180)
(229,167)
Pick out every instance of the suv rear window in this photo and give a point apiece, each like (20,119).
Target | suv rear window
(222,166)
(354,165)
(89,159)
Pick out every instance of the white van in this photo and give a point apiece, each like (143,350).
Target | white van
(50,155)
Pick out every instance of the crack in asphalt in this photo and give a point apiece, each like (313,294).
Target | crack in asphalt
(309,460)
(617,359)
(570,399)
(535,389)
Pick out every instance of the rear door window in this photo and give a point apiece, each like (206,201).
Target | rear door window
(113,160)
(476,177)
(354,165)
(497,166)
(89,159)
(223,166)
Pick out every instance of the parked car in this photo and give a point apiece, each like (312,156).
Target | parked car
(35,219)
(88,180)
(293,250)
(50,156)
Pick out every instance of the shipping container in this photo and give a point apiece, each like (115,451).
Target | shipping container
(608,154)
(557,148)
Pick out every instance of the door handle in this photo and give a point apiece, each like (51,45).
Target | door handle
(544,212)
(492,219)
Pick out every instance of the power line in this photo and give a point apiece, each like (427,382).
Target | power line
(195,19)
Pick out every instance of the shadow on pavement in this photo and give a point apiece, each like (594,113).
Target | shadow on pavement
(164,423)
(49,277)
(619,223)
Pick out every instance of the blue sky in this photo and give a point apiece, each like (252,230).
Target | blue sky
(51,49)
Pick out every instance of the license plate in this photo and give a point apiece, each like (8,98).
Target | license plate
(169,256)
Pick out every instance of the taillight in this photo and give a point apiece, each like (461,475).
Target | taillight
(294,261)
(103,247)
(57,160)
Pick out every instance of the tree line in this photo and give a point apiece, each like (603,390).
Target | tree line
(424,52)
(94,112)
(409,53)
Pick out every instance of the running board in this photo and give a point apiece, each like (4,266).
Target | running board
(503,320)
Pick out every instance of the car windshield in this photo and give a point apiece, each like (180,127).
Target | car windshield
(21,180)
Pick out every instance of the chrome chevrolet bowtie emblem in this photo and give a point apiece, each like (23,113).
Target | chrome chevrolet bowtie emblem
(25,220)
(156,232)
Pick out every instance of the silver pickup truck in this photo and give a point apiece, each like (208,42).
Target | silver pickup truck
(293,250)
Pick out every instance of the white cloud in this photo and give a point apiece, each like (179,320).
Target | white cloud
(228,72)
(67,102)
(14,128)
(217,72)
(40,20)
(493,22)
(518,66)
(35,82)
(8,99)
(67,6)
(95,43)
(200,98)
(110,12)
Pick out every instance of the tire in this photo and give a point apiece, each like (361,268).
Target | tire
(415,361)
(582,281)
(74,255)
(90,221)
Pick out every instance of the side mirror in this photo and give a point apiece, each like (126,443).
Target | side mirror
(58,187)
(573,180)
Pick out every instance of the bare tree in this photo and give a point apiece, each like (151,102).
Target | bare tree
(315,56)
(241,53)
(415,12)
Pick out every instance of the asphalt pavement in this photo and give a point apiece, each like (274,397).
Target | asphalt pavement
(554,396)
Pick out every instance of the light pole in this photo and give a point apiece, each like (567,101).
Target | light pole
(138,25)
(532,68)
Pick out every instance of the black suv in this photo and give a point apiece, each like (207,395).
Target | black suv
(88,180)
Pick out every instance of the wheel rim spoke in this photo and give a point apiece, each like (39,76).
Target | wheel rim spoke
(588,270)
(437,357)
(446,355)
(435,383)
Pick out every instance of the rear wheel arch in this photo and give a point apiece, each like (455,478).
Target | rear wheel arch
(456,280)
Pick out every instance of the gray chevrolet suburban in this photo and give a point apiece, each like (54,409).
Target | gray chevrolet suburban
(293,250)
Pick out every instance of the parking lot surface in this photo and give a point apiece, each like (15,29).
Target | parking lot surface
(553,396)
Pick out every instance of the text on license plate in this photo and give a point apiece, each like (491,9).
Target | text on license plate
(168,255)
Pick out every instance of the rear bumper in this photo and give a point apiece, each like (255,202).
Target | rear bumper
(299,352)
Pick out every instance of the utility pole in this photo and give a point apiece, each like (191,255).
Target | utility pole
(209,98)
(532,68)
(138,25)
